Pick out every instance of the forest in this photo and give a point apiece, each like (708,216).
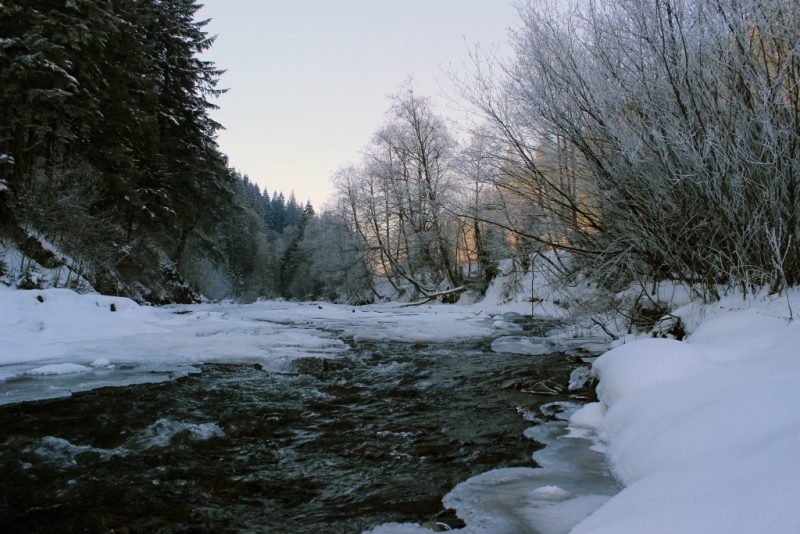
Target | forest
(108,155)
(622,144)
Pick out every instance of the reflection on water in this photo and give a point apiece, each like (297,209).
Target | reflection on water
(342,445)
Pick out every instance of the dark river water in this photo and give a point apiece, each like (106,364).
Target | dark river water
(378,435)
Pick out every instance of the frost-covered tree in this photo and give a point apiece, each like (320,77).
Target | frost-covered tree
(657,138)
(396,200)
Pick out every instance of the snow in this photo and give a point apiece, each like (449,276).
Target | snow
(54,342)
(643,364)
(578,378)
(703,434)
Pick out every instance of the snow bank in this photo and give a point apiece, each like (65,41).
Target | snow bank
(54,342)
(40,324)
(704,434)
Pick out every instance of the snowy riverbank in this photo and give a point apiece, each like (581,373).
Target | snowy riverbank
(704,434)
(55,341)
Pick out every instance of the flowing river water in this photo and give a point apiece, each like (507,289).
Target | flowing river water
(380,434)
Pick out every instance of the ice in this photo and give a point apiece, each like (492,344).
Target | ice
(551,492)
(571,483)
(102,362)
(398,528)
(524,345)
(151,344)
(703,433)
(578,378)
(559,409)
(59,369)
(21,385)
(537,346)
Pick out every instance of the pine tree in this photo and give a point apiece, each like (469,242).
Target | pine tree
(294,260)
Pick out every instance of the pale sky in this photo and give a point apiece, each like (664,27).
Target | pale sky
(308,79)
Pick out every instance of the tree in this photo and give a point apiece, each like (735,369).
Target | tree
(295,278)
(395,200)
(115,87)
(654,137)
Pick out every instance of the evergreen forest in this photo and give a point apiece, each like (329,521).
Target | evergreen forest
(108,155)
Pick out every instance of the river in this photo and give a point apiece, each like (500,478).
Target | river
(379,434)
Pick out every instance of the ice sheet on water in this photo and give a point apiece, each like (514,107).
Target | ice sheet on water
(536,346)
(398,528)
(59,369)
(28,382)
(562,410)
(521,500)
(571,484)
(524,345)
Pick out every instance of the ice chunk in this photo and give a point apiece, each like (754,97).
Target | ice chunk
(102,362)
(559,409)
(578,378)
(551,492)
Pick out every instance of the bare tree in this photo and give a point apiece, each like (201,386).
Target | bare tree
(395,200)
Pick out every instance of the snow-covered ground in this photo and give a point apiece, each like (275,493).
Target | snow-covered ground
(703,435)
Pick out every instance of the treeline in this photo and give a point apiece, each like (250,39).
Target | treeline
(265,249)
(626,141)
(108,153)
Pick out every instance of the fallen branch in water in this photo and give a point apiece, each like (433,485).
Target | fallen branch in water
(433,296)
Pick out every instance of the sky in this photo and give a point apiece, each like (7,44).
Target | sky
(308,80)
